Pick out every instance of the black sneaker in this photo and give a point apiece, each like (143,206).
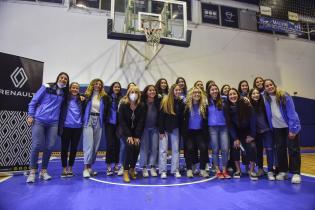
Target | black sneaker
(70,174)
(109,172)
(237,175)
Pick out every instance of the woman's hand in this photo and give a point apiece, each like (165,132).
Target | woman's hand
(30,120)
(162,136)
(249,139)
(291,135)
(130,140)
(237,143)
(136,141)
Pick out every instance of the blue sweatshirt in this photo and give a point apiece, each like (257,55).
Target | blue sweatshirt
(46,104)
(195,120)
(74,115)
(288,113)
(113,110)
(215,116)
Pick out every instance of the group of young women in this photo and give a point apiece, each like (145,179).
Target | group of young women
(240,123)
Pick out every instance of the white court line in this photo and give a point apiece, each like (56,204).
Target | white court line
(157,185)
(5,179)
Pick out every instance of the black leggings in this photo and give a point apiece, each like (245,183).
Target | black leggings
(132,153)
(70,136)
(112,144)
(282,145)
(196,139)
(250,149)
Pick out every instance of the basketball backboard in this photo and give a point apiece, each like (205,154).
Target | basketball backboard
(129,19)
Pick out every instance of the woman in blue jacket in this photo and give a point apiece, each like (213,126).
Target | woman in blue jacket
(241,123)
(113,142)
(285,122)
(218,131)
(70,128)
(43,115)
(96,112)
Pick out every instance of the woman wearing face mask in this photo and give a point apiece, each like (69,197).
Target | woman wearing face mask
(150,139)
(259,84)
(241,123)
(131,119)
(161,87)
(195,130)
(170,118)
(113,142)
(97,107)
(218,131)
(43,115)
(243,88)
(70,128)
(264,134)
(286,126)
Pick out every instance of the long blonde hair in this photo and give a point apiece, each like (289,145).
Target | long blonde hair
(90,88)
(280,94)
(167,104)
(202,103)
(126,100)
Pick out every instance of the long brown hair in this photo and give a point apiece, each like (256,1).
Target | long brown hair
(280,95)
(218,102)
(167,104)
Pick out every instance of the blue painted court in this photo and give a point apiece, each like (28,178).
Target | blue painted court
(102,192)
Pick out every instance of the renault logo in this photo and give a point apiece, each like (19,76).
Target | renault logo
(18,77)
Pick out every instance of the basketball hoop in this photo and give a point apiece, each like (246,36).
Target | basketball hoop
(153,30)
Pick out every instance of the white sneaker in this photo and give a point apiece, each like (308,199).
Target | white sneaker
(296,179)
(204,173)
(271,176)
(281,176)
(86,173)
(207,167)
(45,176)
(190,174)
(177,174)
(92,172)
(31,178)
(120,171)
(153,172)
(145,172)
(163,175)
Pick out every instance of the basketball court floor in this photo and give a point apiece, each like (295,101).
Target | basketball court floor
(102,192)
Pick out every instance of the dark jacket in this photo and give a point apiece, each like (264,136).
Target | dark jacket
(157,104)
(168,122)
(129,127)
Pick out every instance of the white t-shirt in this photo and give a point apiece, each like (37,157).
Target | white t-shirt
(95,108)
(276,119)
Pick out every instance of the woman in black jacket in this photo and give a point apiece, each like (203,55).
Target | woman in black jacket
(131,120)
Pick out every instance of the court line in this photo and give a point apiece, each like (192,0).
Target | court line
(5,179)
(157,185)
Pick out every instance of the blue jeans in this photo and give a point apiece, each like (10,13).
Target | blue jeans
(265,140)
(163,147)
(149,147)
(219,139)
(92,134)
(43,138)
(122,151)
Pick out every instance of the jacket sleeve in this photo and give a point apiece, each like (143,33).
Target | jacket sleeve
(293,118)
(141,121)
(161,124)
(252,122)
(126,132)
(36,101)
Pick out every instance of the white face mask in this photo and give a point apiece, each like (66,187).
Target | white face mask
(61,85)
(133,97)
